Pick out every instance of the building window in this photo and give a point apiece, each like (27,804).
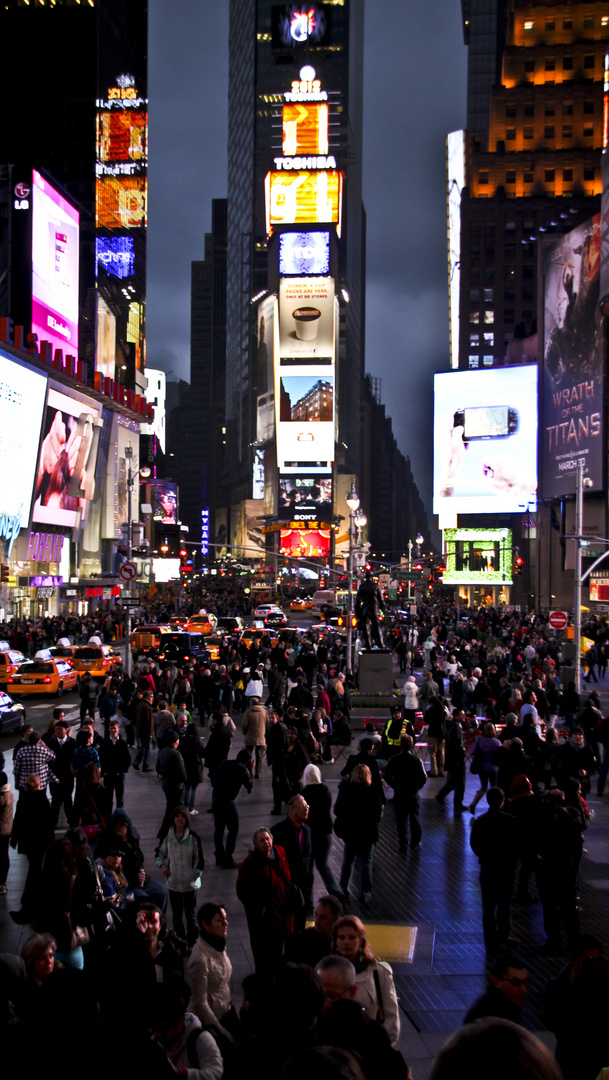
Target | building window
(567,175)
(510,176)
(474,252)
(527,133)
(508,315)
(489,339)
(567,131)
(589,174)
(474,341)
(567,63)
(549,176)
(489,274)
(588,22)
(548,131)
(509,250)
(474,273)
(489,316)
(529,65)
(550,109)
(483,177)
(588,108)
(588,131)
(567,109)
(473,360)
(489,228)
(550,24)
(567,23)
(527,273)
(550,63)
(527,295)
(589,62)
(529,110)
(528,176)
(509,272)
(474,317)
(510,134)
(474,296)
(487,361)
(529,24)
(489,296)
(510,226)
(474,228)
(527,314)
(508,296)
(510,112)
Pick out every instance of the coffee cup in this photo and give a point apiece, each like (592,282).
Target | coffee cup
(306,322)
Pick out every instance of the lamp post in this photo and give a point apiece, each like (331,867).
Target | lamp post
(144,472)
(352,500)
(418,542)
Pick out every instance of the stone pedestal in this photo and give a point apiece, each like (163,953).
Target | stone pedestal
(375,672)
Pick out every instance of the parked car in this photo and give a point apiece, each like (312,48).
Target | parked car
(12,714)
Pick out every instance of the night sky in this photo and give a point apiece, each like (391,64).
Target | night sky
(414,93)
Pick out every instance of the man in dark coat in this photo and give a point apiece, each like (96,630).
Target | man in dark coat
(115,763)
(63,746)
(454,763)
(505,994)
(294,836)
(170,766)
(230,778)
(494,839)
(405,773)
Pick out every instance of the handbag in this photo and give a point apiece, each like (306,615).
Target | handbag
(475,763)
(380,1011)
(79,935)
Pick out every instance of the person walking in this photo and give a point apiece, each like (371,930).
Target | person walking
(405,773)
(494,839)
(319,800)
(231,776)
(357,812)
(255,720)
(454,760)
(181,859)
(170,766)
(143,730)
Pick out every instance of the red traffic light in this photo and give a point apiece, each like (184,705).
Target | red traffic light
(183,553)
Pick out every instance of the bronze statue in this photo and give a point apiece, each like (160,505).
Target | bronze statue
(368,603)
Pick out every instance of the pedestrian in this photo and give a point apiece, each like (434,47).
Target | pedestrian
(143,730)
(7,802)
(494,839)
(255,719)
(63,745)
(115,763)
(294,836)
(357,812)
(374,978)
(231,776)
(405,774)
(32,832)
(192,751)
(482,765)
(454,760)
(170,767)
(435,718)
(181,859)
(264,889)
(318,797)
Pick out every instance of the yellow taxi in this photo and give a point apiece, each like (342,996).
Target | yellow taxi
(255,633)
(10,660)
(201,624)
(97,659)
(45,674)
(214,644)
(301,603)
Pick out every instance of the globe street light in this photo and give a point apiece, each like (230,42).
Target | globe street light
(132,476)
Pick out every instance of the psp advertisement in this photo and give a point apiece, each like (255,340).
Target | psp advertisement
(485,441)
(573,383)
(55,232)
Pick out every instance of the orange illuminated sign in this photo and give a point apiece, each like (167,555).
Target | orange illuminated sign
(305,129)
(122,135)
(303,198)
(121,202)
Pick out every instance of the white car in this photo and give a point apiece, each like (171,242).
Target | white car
(265,609)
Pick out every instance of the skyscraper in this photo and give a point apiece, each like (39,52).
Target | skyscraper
(532,159)
(294,163)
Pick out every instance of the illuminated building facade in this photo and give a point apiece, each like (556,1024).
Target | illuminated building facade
(532,161)
(296,246)
(76,111)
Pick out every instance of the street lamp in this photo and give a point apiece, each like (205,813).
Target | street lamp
(352,500)
(132,476)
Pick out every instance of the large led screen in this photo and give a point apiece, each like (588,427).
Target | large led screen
(306,321)
(305,429)
(305,543)
(303,25)
(265,338)
(164,496)
(305,497)
(121,135)
(55,237)
(303,198)
(304,253)
(22,394)
(305,129)
(485,441)
(572,380)
(121,202)
(67,459)
(456,180)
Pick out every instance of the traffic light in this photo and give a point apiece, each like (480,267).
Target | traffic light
(517,562)
(5,572)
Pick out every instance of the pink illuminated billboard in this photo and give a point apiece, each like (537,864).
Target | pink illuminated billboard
(55,237)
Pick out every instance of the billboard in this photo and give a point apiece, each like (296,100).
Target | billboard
(485,441)
(305,129)
(303,198)
(164,498)
(305,543)
(306,321)
(301,25)
(120,202)
(122,135)
(305,497)
(265,318)
(455,154)
(65,478)
(22,394)
(305,428)
(477,557)
(164,570)
(303,253)
(572,380)
(55,238)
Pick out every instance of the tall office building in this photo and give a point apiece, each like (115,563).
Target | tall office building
(296,238)
(75,108)
(529,162)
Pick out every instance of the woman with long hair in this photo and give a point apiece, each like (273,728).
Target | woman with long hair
(373,978)
(486,746)
(358,811)
(63,910)
(92,803)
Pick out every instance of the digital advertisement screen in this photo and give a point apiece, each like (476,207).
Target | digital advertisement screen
(164,497)
(306,321)
(304,253)
(305,428)
(455,146)
(485,441)
(477,556)
(164,570)
(122,135)
(572,379)
(305,129)
(305,543)
(303,198)
(55,237)
(265,337)
(305,497)
(22,396)
(120,202)
(116,254)
(66,463)
(304,25)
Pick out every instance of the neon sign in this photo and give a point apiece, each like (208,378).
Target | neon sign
(116,254)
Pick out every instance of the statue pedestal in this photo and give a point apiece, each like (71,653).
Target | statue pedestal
(375,672)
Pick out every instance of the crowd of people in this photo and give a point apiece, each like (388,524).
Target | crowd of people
(491,700)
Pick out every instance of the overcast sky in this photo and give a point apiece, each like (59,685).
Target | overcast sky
(414,93)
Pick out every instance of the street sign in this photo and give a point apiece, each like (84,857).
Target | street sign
(558,620)
(128,571)
(409,575)
(130,602)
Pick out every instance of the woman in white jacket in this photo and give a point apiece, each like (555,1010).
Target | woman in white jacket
(182,860)
(373,978)
(209,972)
(411,699)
